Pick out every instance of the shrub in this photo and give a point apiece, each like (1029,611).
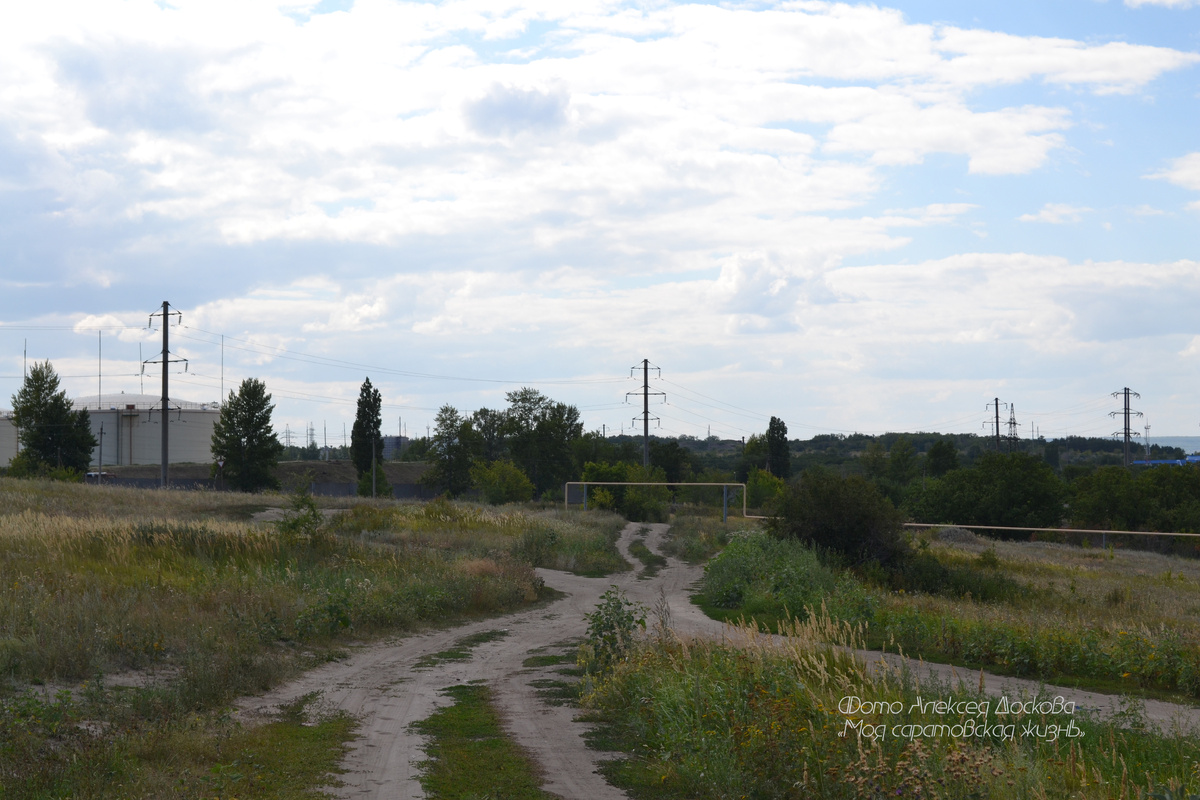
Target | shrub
(611,630)
(763,488)
(842,515)
(502,482)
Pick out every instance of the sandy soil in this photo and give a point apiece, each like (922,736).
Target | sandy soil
(380,684)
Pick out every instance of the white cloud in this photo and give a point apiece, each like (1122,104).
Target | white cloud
(1163,3)
(1184,171)
(1057,214)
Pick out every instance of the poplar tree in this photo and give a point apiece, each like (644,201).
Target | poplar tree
(366,440)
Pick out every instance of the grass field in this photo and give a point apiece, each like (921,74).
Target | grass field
(129,620)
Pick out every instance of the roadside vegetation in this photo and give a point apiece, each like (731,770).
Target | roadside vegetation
(130,620)
(699,719)
(1112,619)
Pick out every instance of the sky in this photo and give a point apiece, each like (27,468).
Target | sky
(853,217)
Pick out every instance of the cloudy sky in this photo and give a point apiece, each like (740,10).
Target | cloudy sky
(853,217)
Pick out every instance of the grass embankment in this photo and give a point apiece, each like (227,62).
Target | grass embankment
(708,720)
(162,593)
(1117,621)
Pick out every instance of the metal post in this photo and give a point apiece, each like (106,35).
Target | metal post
(372,467)
(166,361)
(585,497)
(646,413)
(724,504)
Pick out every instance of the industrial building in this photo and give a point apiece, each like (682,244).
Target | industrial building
(128,430)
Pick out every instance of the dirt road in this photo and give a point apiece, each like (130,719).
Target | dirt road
(383,686)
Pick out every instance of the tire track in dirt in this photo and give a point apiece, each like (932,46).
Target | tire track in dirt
(380,684)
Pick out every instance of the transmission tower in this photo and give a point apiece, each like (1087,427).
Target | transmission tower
(645,415)
(287,435)
(1013,437)
(1126,431)
(1147,441)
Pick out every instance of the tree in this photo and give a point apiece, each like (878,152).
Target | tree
(244,438)
(452,450)
(1004,489)
(52,435)
(779,457)
(366,441)
(848,516)
(942,457)
(540,434)
(902,461)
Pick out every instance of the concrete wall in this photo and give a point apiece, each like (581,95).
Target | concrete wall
(8,441)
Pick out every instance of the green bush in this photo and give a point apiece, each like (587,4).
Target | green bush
(502,482)
(612,628)
(846,516)
(763,488)
(760,575)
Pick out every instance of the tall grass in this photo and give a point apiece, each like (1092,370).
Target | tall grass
(164,619)
(575,541)
(759,718)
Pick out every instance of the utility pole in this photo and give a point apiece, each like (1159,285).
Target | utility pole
(166,362)
(996,405)
(99,368)
(1128,412)
(645,407)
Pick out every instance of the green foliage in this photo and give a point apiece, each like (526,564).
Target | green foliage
(244,438)
(763,488)
(1163,498)
(502,482)
(779,457)
(302,518)
(451,453)
(768,578)
(611,631)
(901,461)
(55,440)
(373,483)
(602,498)
(942,457)
(843,515)
(1003,489)
(645,503)
(366,442)
(540,432)
(635,503)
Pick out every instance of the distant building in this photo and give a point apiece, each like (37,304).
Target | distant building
(393,446)
(128,430)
